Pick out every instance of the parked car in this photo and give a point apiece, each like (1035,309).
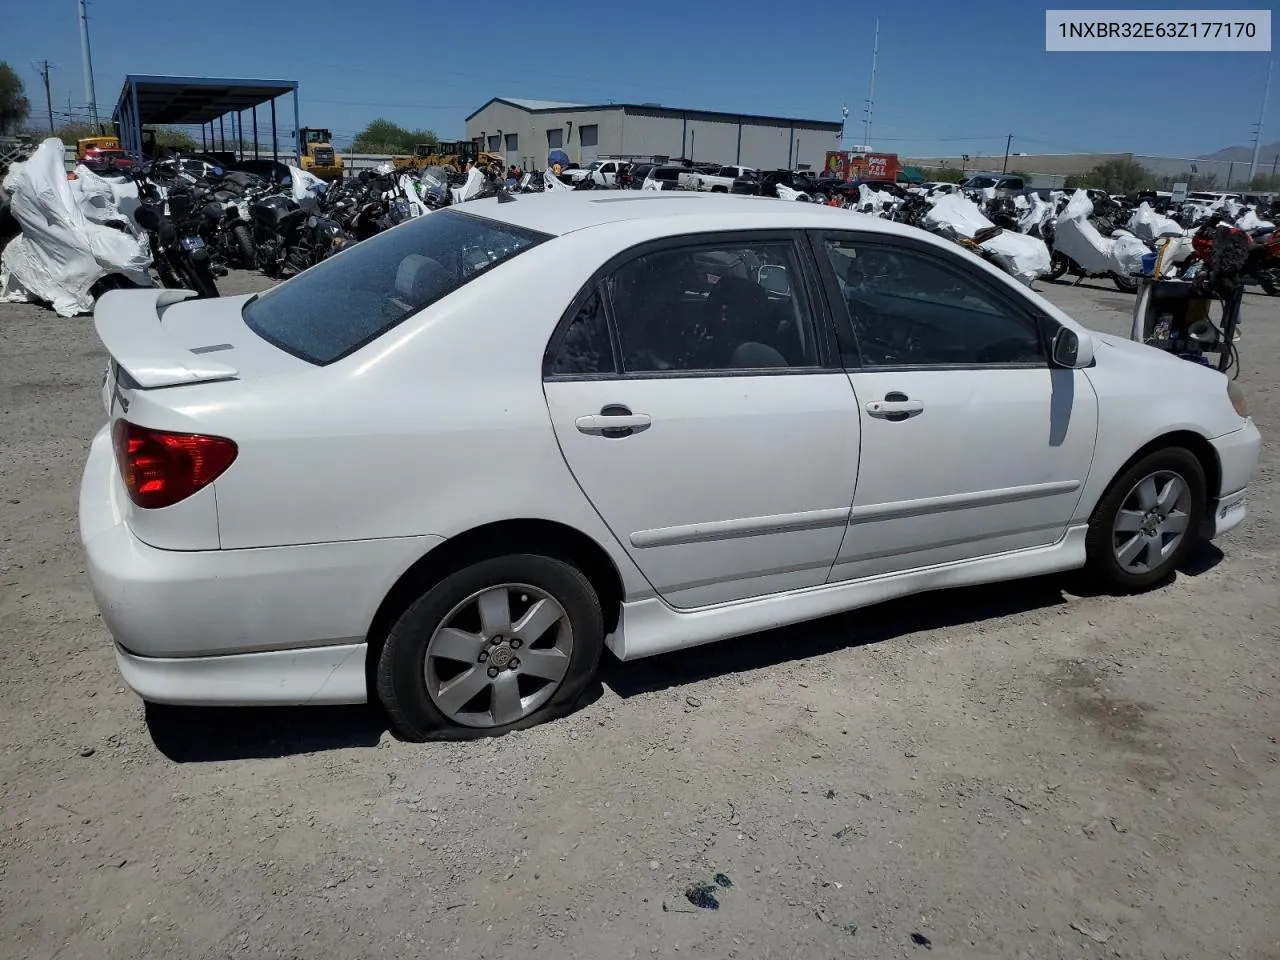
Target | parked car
(721,181)
(668,175)
(765,184)
(273,171)
(448,467)
(938,188)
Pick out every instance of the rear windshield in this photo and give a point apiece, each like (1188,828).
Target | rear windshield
(336,307)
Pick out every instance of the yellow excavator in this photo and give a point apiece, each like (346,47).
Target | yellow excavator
(453,155)
(318,155)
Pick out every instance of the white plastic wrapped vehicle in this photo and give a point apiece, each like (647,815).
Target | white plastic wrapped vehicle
(956,216)
(1022,257)
(1078,240)
(1146,224)
(61,253)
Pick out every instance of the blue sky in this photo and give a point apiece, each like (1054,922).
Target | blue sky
(952,77)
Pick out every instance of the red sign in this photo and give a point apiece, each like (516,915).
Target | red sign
(867,166)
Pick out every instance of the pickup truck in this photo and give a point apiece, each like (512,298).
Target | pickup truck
(693,175)
(721,181)
(608,171)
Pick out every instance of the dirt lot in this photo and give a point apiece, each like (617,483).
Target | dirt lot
(1009,772)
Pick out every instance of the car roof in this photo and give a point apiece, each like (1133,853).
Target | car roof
(560,212)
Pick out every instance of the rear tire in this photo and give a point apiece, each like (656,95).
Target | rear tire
(426,666)
(246,249)
(1147,521)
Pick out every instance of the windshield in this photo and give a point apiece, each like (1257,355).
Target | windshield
(336,307)
(981,183)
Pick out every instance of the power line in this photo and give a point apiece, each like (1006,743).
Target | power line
(48,97)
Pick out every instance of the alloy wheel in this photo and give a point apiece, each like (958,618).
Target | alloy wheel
(1151,522)
(499,655)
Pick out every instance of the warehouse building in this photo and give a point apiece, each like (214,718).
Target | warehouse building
(525,131)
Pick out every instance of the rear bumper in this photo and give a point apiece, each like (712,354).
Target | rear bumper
(1238,454)
(319,675)
(191,626)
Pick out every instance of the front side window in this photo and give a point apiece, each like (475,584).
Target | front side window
(713,308)
(343,303)
(911,308)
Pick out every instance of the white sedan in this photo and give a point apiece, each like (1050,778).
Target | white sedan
(448,467)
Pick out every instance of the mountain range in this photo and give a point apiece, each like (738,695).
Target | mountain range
(1267,152)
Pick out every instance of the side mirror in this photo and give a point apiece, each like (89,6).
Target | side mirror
(1070,351)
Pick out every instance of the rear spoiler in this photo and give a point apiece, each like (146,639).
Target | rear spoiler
(128,324)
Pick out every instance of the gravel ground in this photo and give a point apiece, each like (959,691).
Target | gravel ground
(1015,772)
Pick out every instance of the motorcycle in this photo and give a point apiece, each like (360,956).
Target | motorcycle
(288,239)
(178,249)
(1262,253)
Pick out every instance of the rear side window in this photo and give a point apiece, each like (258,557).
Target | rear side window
(339,305)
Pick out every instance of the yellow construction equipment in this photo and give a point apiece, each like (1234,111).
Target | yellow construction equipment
(318,155)
(456,156)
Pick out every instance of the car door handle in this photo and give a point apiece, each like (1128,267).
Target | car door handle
(614,421)
(895,406)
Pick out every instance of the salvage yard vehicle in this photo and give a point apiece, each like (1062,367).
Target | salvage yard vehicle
(318,156)
(449,467)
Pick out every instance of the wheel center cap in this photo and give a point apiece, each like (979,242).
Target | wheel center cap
(501,656)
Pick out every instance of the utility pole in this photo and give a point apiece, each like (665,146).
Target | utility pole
(88,63)
(48,100)
(871,92)
(1257,130)
(1007,144)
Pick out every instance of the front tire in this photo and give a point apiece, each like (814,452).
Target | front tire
(499,645)
(1058,266)
(1147,522)
(1124,284)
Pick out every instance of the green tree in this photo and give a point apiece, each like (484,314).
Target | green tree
(14,105)
(1114,176)
(1265,182)
(1026,177)
(945,175)
(383,136)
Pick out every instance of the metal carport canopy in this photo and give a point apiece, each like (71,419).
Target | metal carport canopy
(146,100)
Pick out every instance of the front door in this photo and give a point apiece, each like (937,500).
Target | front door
(699,408)
(972,445)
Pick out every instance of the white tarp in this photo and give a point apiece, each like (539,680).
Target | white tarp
(1026,258)
(104,200)
(1147,224)
(651,185)
(1037,214)
(551,182)
(307,188)
(1176,250)
(1249,222)
(60,253)
(873,201)
(1076,237)
(954,215)
(787,193)
(475,180)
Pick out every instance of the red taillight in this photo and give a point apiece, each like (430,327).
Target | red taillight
(161,468)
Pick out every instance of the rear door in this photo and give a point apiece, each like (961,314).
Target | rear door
(697,400)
